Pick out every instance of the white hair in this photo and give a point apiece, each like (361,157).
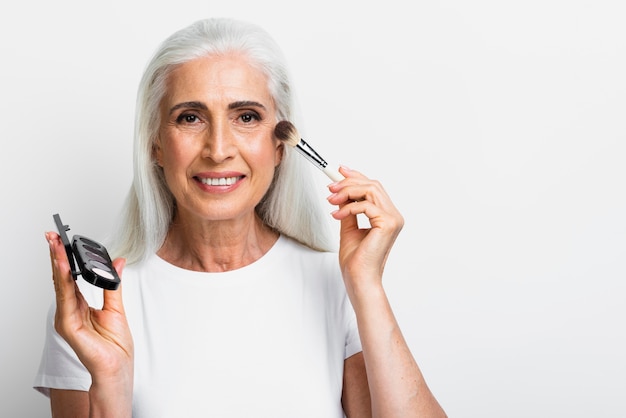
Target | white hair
(291,206)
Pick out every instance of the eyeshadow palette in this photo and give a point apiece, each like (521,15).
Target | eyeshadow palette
(94,262)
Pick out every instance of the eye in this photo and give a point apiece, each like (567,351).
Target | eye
(187,118)
(249,117)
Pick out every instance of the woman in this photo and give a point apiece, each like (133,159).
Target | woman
(232,303)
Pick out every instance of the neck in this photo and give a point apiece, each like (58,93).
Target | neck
(216,246)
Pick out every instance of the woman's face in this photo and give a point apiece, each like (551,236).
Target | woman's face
(216,144)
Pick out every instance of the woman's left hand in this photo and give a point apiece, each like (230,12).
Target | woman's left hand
(363,252)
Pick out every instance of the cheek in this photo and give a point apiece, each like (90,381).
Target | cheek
(260,150)
(176,151)
(174,162)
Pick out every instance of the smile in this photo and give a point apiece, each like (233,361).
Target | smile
(223,181)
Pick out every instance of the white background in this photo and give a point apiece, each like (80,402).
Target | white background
(498,127)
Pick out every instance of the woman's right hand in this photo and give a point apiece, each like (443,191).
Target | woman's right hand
(101,338)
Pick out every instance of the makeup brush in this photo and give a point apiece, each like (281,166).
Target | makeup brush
(286,132)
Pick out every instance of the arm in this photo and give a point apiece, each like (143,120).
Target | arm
(397,386)
(355,398)
(101,340)
(77,404)
(395,382)
(69,403)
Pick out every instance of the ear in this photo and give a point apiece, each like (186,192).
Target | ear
(280,152)
(157,152)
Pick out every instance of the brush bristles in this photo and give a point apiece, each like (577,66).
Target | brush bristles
(287,133)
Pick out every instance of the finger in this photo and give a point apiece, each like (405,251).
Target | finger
(64,286)
(350,173)
(348,223)
(113,298)
(355,190)
(346,197)
(352,178)
(351,212)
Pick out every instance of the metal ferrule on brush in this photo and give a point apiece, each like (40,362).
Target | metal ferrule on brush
(310,154)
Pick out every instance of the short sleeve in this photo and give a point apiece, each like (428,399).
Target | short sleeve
(353,339)
(59,367)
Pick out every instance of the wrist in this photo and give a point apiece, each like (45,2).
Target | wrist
(111,397)
(365,292)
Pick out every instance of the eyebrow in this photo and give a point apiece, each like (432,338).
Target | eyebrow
(245,103)
(202,106)
(191,105)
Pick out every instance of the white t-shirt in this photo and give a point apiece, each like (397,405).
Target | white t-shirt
(266,340)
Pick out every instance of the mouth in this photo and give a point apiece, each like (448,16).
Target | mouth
(219,181)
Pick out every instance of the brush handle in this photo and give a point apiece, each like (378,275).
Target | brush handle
(333,174)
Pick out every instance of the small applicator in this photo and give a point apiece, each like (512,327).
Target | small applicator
(286,132)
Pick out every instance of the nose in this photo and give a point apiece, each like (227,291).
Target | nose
(219,143)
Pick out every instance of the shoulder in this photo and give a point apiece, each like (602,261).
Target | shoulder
(318,270)
(288,249)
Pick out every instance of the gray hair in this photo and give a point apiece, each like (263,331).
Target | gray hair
(291,206)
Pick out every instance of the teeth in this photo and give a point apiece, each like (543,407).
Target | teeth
(224,181)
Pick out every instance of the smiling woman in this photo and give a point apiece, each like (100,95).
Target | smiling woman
(231,291)
(216,144)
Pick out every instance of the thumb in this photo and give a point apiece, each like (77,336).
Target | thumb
(113,298)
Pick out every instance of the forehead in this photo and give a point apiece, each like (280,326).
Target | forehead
(229,77)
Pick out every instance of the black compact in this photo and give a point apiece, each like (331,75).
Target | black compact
(94,262)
